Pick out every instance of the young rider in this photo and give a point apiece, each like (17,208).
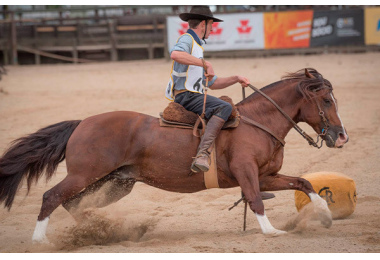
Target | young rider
(188,75)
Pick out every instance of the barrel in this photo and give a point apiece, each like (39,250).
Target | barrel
(337,189)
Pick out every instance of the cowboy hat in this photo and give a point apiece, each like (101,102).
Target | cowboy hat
(199,12)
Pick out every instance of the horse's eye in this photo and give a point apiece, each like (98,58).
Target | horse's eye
(327,101)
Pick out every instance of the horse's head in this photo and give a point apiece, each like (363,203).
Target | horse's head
(320,108)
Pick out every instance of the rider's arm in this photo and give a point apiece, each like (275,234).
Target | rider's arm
(188,59)
(185,58)
(181,52)
(221,83)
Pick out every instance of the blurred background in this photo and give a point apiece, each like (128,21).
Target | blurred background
(47,34)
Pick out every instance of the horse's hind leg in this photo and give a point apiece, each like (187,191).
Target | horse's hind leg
(113,187)
(70,191)
(67,188)
(281,182)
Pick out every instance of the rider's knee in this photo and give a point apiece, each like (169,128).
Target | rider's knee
(227,108)
(224,111)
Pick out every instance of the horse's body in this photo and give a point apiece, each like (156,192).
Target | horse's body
(121,148)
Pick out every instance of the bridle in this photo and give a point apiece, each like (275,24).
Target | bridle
(308,138)
(326,125)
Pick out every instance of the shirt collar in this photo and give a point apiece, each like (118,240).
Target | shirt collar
(195,36)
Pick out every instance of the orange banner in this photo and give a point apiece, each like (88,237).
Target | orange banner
(287,29)
(372,25)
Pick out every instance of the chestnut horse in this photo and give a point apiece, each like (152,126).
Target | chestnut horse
(121,148)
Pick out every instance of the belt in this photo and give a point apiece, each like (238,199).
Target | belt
(176,92)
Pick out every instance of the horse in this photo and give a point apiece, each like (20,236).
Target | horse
(121,148)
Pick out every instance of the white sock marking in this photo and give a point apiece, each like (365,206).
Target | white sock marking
(322,209)
(266,226)
(39,234)
(319,203)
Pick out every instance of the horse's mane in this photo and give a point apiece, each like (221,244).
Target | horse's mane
(309,87)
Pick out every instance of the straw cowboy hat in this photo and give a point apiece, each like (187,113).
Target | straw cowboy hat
(199,12)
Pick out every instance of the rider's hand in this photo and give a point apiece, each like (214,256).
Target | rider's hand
(210,70)
(243,81)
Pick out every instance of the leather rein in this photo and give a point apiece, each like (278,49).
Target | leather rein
(308,138)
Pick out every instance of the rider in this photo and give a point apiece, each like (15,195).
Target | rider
(188,74)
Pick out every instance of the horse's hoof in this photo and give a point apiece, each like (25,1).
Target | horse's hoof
(42,240)
(267,195)
(275,233)
(326,219)
(326,224)
(323,212)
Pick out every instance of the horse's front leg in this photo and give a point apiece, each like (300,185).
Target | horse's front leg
(277,181)
(247,174)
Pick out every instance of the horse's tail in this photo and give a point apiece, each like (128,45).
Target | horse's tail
(30,156)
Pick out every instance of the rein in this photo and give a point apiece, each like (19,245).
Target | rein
(308,138)
(205,90)
(266,129)
(201,118)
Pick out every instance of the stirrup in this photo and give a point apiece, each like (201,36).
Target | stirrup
(195,168)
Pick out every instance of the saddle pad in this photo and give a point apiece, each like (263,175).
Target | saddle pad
(167,123)
(232,123)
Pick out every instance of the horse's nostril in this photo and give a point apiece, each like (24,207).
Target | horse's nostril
(343,137)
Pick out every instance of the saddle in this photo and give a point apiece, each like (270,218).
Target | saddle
(175,115)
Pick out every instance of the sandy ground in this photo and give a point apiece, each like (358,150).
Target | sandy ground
(152,220)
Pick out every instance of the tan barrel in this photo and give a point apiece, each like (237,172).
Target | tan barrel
(337,189)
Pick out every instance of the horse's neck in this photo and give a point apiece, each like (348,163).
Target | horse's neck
(260,109)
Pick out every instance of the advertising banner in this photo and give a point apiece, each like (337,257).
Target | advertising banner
(287,29)
(372,25)
(332,28)
(237,32)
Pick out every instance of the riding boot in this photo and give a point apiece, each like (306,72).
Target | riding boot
(201,161)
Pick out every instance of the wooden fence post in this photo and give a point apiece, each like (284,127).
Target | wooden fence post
(166,49)
(113,40)
(75,51)
(13,40)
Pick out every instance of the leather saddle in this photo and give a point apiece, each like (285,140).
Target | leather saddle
(175,115)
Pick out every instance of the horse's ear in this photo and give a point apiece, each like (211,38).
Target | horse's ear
(308,75)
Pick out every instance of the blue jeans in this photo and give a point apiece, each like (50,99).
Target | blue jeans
(214,106)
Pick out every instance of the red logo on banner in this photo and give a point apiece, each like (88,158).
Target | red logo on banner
(215,29)
(244,28)
(184,28)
